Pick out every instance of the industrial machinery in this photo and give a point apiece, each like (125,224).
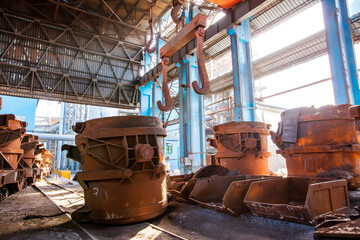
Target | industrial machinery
(242,146)
(11,177)
(320,142)
(122,171)
(28,145)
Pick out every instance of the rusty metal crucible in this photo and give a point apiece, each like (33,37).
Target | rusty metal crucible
(122,171)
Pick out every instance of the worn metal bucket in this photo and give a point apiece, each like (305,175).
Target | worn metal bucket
(122,171)
(242,146)
(298,200)
(225,193)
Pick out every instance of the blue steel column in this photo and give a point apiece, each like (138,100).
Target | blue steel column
(349,52)
(145,92)
(335,50)
(242,72)
(192,123)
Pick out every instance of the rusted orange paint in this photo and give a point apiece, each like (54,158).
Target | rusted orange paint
(226,3)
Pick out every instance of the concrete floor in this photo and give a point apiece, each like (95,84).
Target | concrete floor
(31,215)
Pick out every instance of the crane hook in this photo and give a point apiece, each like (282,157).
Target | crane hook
(200,33)
(167,98)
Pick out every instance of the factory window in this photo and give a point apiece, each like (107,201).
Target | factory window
(169,149)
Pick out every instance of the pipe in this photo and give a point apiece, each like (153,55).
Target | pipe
(54,137)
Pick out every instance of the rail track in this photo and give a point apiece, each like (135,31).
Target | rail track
(68,200)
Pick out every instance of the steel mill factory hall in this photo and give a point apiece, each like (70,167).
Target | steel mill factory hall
(179,119)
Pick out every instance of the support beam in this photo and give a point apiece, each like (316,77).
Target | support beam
(349,52)
(338,64)
(192,120)
(242,72)
(145,92)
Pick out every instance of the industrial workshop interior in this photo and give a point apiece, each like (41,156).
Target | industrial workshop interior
(179,119)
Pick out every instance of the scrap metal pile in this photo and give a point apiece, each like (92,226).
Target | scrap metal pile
(23,160)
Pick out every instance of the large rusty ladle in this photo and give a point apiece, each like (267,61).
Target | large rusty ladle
(195,28)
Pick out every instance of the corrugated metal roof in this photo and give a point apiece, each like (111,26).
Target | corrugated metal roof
(299,52)
(355,27)
(276,12)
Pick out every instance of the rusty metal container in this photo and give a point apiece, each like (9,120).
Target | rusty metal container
(28,145)
(224,193)
(122,171)
(11,131)
(47,161)
(316,141)
(298,200)
(180,186)
(38,161)
(242,146)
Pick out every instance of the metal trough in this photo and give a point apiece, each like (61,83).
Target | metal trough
(225,194)
(180,186)
(298,200)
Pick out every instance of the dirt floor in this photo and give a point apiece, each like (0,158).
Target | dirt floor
(31,215)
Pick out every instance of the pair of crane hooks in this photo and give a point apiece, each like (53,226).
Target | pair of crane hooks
(177,5)
(195,28)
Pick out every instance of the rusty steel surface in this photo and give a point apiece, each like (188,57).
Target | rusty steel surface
(323,142)
(224,193)
(151,4)
(297,199)
(47,162)
(11,132)
(28,145)
(12,177)
(194,29)
(242,146)
(338,227)
(180,186)
(226,3)
(123,175)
